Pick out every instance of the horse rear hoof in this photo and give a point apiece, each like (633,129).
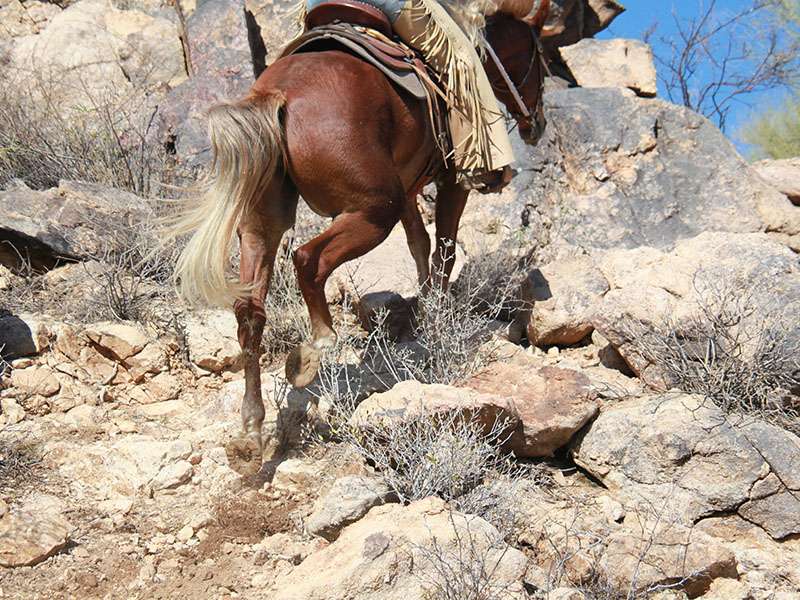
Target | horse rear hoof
(302,365)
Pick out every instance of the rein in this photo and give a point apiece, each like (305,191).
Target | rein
(537,53)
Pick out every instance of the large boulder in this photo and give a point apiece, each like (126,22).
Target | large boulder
(682,453)
(417,545)
(222,69)
(783,175)
(92,53)
(653,292)
(23,335)
(617,171)
(67,223)
(612,63)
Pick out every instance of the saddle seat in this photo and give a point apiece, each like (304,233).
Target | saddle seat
(348,11)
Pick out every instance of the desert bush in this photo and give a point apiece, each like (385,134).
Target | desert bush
(735,350)
(19,462)
(467,568)
(110,140)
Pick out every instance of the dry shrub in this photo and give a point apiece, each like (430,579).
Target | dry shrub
(736,350)
(20,463)
(468,568)
(111,140)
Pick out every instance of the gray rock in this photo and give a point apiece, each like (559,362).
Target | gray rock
(347,501)
(617,171)
(674,447)
(653,291)
(222,70)
(172,475)
(682,450)
(68,223)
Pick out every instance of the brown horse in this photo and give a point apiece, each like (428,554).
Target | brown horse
(332,128)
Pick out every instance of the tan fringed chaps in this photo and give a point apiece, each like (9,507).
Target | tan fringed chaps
(477,126)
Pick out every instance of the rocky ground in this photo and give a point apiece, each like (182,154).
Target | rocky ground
(623,426)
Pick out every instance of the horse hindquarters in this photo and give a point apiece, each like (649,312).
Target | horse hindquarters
(247,194)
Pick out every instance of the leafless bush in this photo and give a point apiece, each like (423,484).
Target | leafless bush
(718,58)
(128,279)
(108,141)
(287,319)
(19,461)
(737,351)
(468,567)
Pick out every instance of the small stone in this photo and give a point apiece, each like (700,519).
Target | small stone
(349,499)
(12,411)
(185,534)
(554,351)
(172,475)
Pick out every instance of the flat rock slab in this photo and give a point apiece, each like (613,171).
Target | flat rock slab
(346,502)
(29,537)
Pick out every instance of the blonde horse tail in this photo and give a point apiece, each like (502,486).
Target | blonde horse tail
(247,147)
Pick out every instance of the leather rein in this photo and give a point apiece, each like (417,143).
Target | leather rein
(537,53)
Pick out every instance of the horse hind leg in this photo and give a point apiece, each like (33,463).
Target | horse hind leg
(352,234)
(260,234)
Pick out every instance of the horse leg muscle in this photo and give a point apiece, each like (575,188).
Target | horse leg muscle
(260,234)
(350,235)
(450,202)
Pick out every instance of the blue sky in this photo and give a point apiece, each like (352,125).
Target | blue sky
(641,14)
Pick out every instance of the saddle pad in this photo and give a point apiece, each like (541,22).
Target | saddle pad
(348,36)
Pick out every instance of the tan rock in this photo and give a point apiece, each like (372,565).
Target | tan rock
(728,589)
(663,553)
(297,475)
(101,53)
(29,537)
(559,301)
(12,413)
(35,381)
(212,342)
(410,399)
(551,403)
(120,340)
(612,63)
(783,175)
(398,540)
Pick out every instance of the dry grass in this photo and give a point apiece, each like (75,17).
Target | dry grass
(110,141)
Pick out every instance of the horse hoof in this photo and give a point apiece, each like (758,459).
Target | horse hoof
(302,365)
(244,454)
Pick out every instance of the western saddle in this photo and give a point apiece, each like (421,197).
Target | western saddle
(349,11)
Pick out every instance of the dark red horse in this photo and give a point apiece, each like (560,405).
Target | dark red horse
(332,128)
